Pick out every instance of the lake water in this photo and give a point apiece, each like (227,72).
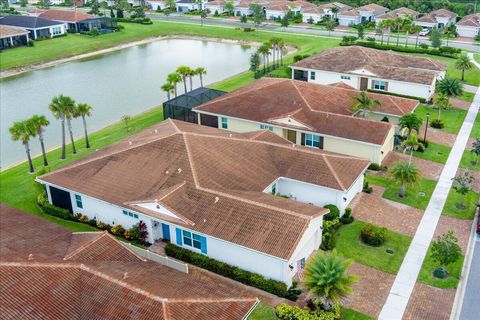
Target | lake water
(122,82)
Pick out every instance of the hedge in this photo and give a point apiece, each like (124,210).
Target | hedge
(442,51)
(135,20)
(46,207)
(287,312)
(246,277)
(422,100)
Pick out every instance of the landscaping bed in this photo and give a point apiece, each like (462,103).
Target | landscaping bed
(452,118)
(434,152)
(426,273)
(452,208)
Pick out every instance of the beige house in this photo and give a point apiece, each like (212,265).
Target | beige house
(316,116)
(402,13)
(469,26)
(438,19)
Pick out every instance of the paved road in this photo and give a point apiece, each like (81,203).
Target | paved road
(471,301)
(338,34)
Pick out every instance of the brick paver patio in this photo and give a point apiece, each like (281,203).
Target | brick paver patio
(459,226)
(438,136)
(395,216)
(429,169)
(460,104)
(429,303)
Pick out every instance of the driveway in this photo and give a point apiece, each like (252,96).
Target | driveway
(428,169)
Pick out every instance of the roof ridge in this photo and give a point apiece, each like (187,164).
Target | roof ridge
(190,158)
(208,300)
(329,165)
(394,103)
(85,245)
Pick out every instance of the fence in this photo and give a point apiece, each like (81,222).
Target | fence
(166,261)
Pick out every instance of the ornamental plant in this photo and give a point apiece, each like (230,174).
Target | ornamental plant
(373,235)
(445,251)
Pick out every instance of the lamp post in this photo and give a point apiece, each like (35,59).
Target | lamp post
(426,127)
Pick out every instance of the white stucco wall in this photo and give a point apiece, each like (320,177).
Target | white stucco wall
(467,32)
(316,17)
(348,21)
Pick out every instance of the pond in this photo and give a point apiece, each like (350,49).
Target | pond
(119,83)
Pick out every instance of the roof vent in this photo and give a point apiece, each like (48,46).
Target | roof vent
(125,275)
(30,257)
(204,220)
(230,135)
(216,199)
(156,131)
(179,170)
(166,172)
(129,143)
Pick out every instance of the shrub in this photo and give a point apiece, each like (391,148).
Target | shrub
(247,29)
(92,222)
(452,52)
(424,142)
(293,292)
(422,100)
(367,188)
(30,43)
(77,216)
(377,167)
(128,234)
(423,45)
(288,312)
(249,278)
(373,235)
(347,216)
(370,39)
(385,119)
(93,32)
(437,123)
(333,214)
(348,40)
(299,57)
(118,230)
(420,148)
(328,234)
(84,219)
(216,14)
(143,232)
(50,209)
(103,225)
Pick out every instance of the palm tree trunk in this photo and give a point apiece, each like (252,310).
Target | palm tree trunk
(191,83)
(185,83)
(175,90)
(416,42)
(388,39)
(30,164)
(402,191)
(63,138)
(463,74)
(406,40)
(201,80)
(42,145)
(69,124)
(87,142)
(381,41)
(398,35)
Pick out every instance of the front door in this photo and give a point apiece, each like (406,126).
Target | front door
(292,136)
(166,231)
(363,83)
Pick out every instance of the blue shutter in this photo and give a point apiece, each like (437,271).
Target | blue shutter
(179,236)
(203,242)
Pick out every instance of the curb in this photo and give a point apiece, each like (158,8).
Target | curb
(467,264)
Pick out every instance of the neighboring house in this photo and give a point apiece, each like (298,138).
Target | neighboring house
(214,192)
(312,115)
(188,5)
(155,4)
(438,19)
(215,6)
(316,14)
(12,37)
(371,69)
(37,27)
(361,14)
(278,9)
(243,6)
(402,13)
(78,21)
(48,272)
(469,26)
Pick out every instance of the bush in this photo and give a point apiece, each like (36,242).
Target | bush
(373,235)
(293,292)
(442,51)
(367,188)
(84,219)
(299,57)
(348,40)
(50,209)
(249,278)
(92,222)
(423,45)
(377,167)
(333,214)
(420,148)
(128,234)
(288,312)
(385,119)
(422,100)
(347,216)
(103,225)
(437,124)
(135,20)
(328,234)
(118,230)
(30,43)
(247,29)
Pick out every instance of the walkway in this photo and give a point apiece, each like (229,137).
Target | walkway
(405,281)
(470,55)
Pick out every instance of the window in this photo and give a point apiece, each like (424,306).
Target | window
(130,214)
(224,123)
(345,77)
(274,189)
(312,140)
(187,238)
(56,30)
(266,127)
(78,200)
(192,240)
(312,75)
(196,241)
(379,85)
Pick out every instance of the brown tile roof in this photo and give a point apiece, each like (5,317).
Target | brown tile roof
(173,163)
(6,31)
(385,64)
(375,8)
(432,16)
(267,136)
(48,287)
(65,15)
(472,20)
(398,12)
(321,107)
(285,5)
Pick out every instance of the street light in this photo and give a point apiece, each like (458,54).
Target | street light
(426,127)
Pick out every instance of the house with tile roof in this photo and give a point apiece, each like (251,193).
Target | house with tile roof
(402,13)
(12,37)
(279,8)
(78,21)
(36,26)
(361,14)
(317,13)
(57,274)
(371,69)
(307,114)
(215,192)
(469,26)
(438,19)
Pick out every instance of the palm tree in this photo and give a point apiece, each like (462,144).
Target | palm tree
(264,50)
(168,88)
(69,115)
(191,74)
(415,29)
(325,275)
(174,78)
(463,63)
(441,102)
(398,24)
(387,24)
(411,144)
(410,121)
(364,103)
(184,72)
(451,87)
(200,72)
(23,131)
(58,106)
(405,173)
(84,110)
(281,47)
(39,123)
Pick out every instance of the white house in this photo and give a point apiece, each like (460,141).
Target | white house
(316,14)
(36,26)
(361,14)
(402,13)
(275,9)
(371,69)
(469,26)
(214,192)
(438,19)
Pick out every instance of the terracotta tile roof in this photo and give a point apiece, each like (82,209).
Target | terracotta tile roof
(173,162)
(385,64)
(342,85)
(287,5)
(375,8)
(432,16)
(65,15)
(267,136)
(398,13)
(321,107)
(6,31)
(472,20)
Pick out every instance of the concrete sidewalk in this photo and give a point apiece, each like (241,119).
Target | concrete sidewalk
(402,288)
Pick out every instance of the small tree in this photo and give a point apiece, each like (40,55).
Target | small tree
(435,38)
(254,62)
(463,63)
(364,104)
(257,13)
(462,185)
(284,21)
(203,15)
(445,251)
(411,144)
(476,150)
(410,121)
(44,4)
(229,7)
(243,19)
(23,3)
(126,119)
(405,173)
(441,101)
(170,6)
(450,87)
(361,31)
(330,25)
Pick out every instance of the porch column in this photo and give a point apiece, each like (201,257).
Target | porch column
(11,41)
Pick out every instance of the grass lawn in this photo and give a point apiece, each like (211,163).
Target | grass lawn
(472,77)
(468,156)
(435,152)
(453,118)
(451,206)
(413,198)
(467,96)
(426,273)
(476,56)
(349,245)
(17,185)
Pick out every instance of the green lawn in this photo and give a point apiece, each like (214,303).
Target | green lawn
(349,245)
(467,96)
(413,198)
(468,156)
(476,56)
(452,118)
(435,152)
(426,273)
(17,185)
(451,206)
